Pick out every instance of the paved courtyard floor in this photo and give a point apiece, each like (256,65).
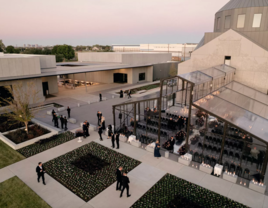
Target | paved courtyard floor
(142,178)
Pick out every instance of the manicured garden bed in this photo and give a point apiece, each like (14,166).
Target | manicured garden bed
(16,194)
(147,87)
(8,156)
(46,144)
(173,192)
(7,125)
(71,169)
(21,135)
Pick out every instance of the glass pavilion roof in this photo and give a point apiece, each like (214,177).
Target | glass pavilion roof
(234,104)
(207,75)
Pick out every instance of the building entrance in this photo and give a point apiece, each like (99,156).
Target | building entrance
(120,78)
(45,88)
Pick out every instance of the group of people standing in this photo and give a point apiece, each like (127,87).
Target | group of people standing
(122,181)
(114,137)
(63,120)
(121,93)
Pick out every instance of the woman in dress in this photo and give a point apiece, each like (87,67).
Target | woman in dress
(157,150)
(103,122)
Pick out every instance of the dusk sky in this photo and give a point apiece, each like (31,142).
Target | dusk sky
(88,22)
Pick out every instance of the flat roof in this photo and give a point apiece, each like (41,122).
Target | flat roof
(86,67)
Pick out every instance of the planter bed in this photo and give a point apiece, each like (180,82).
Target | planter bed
(9,126)
(45,144)
(174,192)
(76,175)
(21,135)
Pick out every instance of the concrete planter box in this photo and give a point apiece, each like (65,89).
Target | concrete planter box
(61,109)
(14,146)
(256,187)
(232,178)
(150,149)
(49,112)
(122,138)
(72,120)
(136,143)
(184,161)
(204,169)
(92,127)
(166,154)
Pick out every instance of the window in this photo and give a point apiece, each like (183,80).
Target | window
(227,22)
(141,76)
(257,20)
(218,23)
(241,21)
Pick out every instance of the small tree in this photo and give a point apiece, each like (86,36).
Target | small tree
(18,105)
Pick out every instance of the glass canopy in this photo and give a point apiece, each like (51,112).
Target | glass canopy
(196,77)
(213,72)
(239,110)
(225,68)
(248,91)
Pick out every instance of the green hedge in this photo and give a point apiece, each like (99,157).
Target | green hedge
(55,140)
(85,184)
(174,192)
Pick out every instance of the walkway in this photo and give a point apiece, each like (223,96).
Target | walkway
(142,178)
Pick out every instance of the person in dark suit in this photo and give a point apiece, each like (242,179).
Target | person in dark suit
(53,112)
(69,111)
(84,130)
(117,140)
(125,182)
(40,170)
(87,125)
(119,178)
(100,96)
(129,94)
(56,121)
(99,115)
(61,121)
(113,139)
(65,123)
(121,94)
(100,132)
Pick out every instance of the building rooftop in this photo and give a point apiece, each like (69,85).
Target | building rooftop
(234,4)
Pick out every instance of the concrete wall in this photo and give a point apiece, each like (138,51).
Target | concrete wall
(19,66)
(145,58)
(100,57)
(165,70)
(52,84)
(36,81)
(125,58)
(47,61)
(108,76)
(249,59)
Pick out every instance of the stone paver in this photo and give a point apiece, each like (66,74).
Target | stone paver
(5,174)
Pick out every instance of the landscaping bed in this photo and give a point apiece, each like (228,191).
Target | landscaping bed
(46,144)
(8,156)
(71,169)
(147,87)
(7,125)
(173,192)
(21,135)
(16,194)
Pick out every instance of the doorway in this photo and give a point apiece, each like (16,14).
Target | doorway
(45,88)
(120,78)
(227,60)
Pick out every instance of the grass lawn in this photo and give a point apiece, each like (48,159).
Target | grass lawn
(8,156)
(16,194)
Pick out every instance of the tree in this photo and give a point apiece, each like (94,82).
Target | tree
(59,57)
(66,50)
(11,49)
(2,46)
(18,104)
